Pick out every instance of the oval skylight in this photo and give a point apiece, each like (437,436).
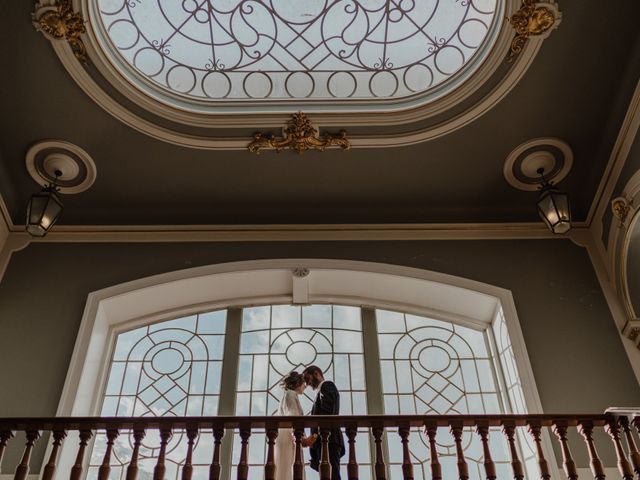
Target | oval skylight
(298,49)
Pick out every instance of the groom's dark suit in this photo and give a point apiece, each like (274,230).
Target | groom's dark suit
(328,403)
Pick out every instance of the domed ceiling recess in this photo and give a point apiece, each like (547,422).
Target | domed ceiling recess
(207,73)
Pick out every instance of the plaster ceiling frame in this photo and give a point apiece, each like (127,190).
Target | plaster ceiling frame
(218,140)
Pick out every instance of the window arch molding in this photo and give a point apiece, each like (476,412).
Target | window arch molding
(299,281)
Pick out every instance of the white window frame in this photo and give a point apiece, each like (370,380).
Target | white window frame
(298,281)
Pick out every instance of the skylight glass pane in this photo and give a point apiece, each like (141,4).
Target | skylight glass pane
(291,49)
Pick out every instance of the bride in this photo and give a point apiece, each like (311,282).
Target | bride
(293,385)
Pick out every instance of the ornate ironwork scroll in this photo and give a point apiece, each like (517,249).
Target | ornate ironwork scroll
(57,20)
(532,19)
(299,135)
(344,49)
(170,368)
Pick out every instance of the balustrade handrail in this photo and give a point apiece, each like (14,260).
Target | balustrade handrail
(329,421)
(618,424)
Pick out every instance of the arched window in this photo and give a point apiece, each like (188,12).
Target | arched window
(418,343)
(421,366)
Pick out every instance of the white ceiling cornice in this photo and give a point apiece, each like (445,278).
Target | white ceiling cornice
(340,232)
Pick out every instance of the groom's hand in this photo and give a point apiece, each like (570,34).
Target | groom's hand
(308,441)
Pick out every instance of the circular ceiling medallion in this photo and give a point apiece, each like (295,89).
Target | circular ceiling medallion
(551,154)
(77,171)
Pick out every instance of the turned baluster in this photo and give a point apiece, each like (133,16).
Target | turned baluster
(50,467)
(243,466)
(270,465)
(436,470)
(325,466)
(463,468)
(633,449)
(187,470)
(509,429)
(132,469)
(623,464)
(5,436)
(560,429)
(586,430)
(407,467)
(22,470)
(76,470)
(105,468)
(160,468)
(535,429)
(298,463)
(380,467)
(215,469)
(489,467)
(352,466)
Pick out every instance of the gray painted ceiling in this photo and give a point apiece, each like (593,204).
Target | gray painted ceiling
(578,89)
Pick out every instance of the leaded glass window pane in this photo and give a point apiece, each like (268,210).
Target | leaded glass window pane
(288,49)
(278,339)
(170,368)
(435,367)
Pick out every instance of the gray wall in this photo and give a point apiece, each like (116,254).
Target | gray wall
(576,354)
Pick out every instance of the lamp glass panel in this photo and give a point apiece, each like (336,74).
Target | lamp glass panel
(562,227)
(547,210)
(51,213)
(37,206)
(561,201)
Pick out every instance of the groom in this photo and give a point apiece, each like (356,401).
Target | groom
(327,402)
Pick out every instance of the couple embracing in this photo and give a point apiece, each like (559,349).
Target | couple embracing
(327,402)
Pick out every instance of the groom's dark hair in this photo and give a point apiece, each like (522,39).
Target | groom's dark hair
(311,369)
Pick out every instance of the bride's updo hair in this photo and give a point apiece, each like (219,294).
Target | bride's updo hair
(292,381)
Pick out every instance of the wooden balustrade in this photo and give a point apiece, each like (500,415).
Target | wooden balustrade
(619,427)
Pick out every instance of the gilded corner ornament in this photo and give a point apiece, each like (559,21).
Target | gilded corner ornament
(57,21)
(620,207)
(532,19)
(299,135)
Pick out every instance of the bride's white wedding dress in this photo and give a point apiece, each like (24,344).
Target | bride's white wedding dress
(285,443)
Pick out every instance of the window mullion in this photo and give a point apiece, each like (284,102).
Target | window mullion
(373,377)
(228,382)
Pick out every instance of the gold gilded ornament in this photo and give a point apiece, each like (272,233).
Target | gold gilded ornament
(620,207)
(299,135)
(532,19)
(57,20)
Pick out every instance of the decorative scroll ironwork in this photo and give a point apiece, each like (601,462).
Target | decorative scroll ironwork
(532,19)
(278,339)
(435,367)
(299,135)
(166,369)
(346,49)
(57,20)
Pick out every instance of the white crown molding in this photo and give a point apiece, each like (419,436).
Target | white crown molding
(345,232)
(617,160)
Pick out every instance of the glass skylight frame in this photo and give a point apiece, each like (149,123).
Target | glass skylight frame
(155,92)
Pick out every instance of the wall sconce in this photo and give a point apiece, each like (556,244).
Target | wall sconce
(44,209)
